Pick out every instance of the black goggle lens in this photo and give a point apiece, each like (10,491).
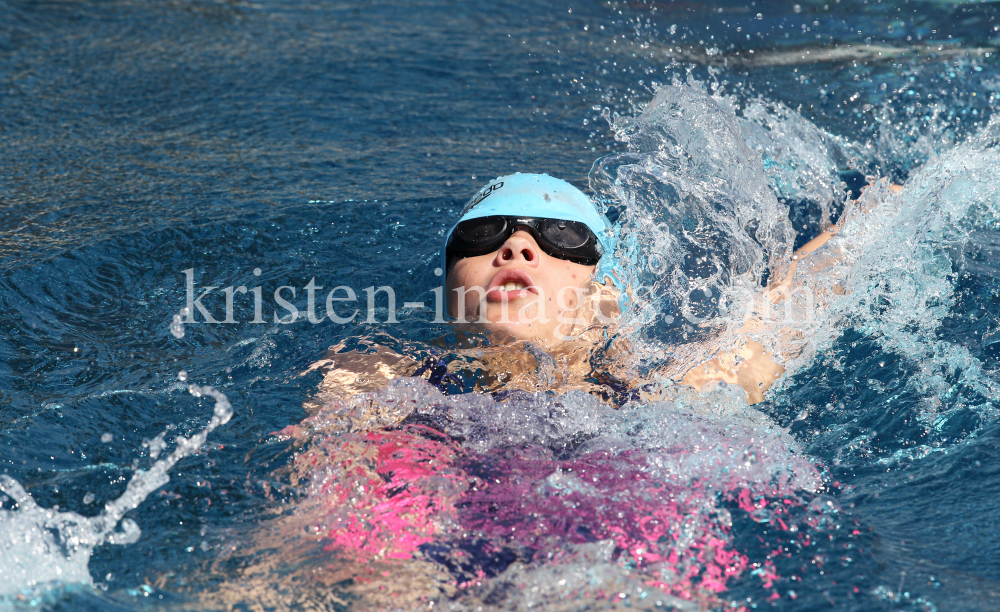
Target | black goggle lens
(480,231)
(566,234)
(570,240)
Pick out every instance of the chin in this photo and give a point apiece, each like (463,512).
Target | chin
(511,327)
(518,331)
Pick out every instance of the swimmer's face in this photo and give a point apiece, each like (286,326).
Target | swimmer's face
(519,289)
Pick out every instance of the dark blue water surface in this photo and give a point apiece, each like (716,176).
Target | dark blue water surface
(336,141)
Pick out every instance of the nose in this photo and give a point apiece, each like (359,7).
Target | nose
(521,246)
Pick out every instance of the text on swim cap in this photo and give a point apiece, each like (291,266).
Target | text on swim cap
(482,195)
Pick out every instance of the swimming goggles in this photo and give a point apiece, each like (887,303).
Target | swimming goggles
(569,240)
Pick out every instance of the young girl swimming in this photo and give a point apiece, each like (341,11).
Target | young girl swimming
(450,492)
(545,296)
(532,259)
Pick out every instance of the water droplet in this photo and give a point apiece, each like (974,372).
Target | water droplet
(177,326)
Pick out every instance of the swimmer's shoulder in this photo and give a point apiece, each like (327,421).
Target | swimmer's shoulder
(352,372)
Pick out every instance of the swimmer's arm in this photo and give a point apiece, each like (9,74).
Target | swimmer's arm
(776,292)
(750,366)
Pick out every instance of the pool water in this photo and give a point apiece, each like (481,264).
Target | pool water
(267,144)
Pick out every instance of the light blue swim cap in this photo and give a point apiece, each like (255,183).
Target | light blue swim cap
(543,197)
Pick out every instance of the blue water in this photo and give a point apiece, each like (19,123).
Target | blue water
(336,141)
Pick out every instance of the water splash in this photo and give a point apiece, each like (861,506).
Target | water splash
(803,163)
(909,254)
(177,325)
(547,484)
(701,226)
(43,548)
(702,222)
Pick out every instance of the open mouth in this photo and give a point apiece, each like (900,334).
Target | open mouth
(510,285)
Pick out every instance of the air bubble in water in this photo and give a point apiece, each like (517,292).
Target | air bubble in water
(182,376)
(797,8)
(106,438)
(88,498)
(759,16)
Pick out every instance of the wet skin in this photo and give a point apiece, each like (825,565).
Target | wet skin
(519,289)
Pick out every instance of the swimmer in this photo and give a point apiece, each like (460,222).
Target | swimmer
(529,260)
(532,258)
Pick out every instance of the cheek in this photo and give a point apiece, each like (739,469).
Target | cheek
(563,289)
(571,280)
(466,272)
(569,299)
(454,278)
